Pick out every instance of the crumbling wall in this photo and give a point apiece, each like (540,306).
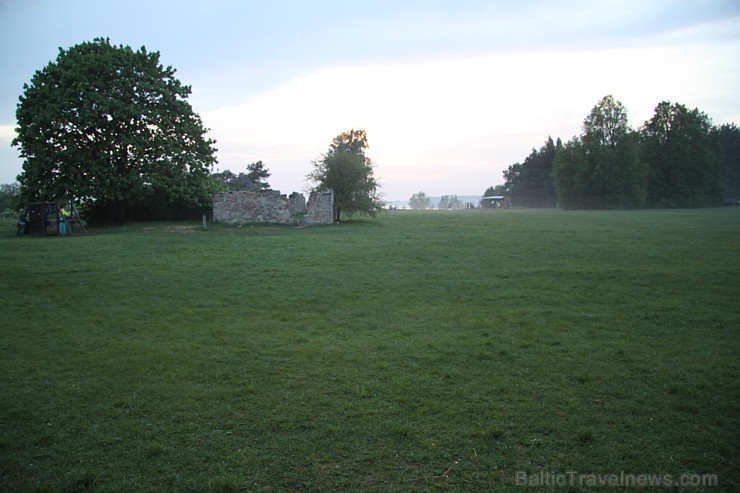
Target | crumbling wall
(269,206)
(320,208)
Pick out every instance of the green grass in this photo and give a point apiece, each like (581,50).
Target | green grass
(420,352)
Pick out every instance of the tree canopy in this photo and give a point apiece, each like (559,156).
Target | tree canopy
(530,183)
(347,171)
(258,174)
(254,179)
(728,140)
(676,159)
(680,151)
(607,124)
(111,128)
(601,169)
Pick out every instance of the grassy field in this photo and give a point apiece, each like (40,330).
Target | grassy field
(441,351)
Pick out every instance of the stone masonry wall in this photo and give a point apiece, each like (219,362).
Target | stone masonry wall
(320,208)
(269,206)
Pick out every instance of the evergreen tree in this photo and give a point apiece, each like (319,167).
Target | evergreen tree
(530,183)
(258,174)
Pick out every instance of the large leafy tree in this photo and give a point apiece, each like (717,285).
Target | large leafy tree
(530,183)
(679,148)
(111,127)
(347,171)
(601,169)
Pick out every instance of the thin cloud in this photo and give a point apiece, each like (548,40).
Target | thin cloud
(476,115)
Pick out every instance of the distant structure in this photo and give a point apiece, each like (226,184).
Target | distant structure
(51,218)
(496,202)
(269,206)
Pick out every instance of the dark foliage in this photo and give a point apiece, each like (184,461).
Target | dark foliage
(347,171)
(680,151)
(530,183)
(601,169)
(110,128)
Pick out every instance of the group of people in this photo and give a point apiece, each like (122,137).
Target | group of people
(54,219)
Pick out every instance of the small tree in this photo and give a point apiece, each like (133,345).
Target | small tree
(349,173)
(253,179)
(258,174)
(226,180)
(420,201)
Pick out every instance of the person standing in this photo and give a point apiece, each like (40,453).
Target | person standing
(21,224)
(63,215)
(61,224)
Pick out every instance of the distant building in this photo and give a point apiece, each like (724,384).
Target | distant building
(495,201)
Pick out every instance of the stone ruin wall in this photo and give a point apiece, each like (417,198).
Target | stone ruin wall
(269,206)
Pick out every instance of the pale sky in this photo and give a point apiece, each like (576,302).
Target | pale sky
(451,93)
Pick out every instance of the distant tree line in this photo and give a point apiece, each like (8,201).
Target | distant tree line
(421,201)
(678,158)
(10,195)
(110,129)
